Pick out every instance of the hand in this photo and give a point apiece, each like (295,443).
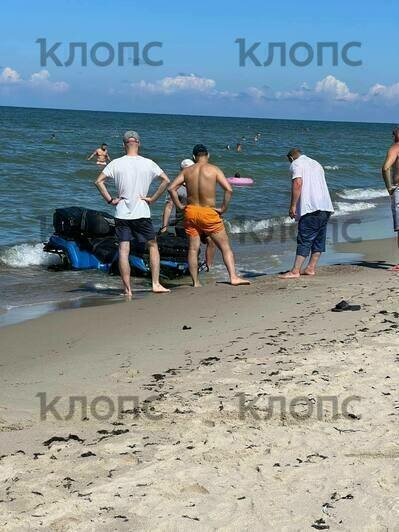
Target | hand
(219,210)
(147,199)
(115,201)
(164,229)
(292,213)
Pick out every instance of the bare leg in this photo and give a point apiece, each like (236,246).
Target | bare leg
(222,242)
(311,267)
(295,273)
(124,267)
(210,252)
(194,246)
(154,264)
(395,268)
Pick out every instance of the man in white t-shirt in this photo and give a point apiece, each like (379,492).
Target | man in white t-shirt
(311,206)
(133,175)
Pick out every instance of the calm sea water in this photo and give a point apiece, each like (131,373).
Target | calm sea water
(38,174)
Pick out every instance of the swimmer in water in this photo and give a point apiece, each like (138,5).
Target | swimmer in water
(238,147)
(102,155)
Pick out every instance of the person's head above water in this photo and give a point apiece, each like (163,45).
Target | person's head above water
(294,154)
(395,133)
(186,163)
(237,174)
(104,146)
(200,151)
(131,141)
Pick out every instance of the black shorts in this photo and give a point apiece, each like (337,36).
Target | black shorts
(140,230)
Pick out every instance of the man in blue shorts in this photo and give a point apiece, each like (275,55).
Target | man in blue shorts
(133,175)
(311,206)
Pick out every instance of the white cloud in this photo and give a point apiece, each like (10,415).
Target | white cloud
(388,93)
(9,75)
(42,80)
(335,89)
(38,80)
(180,83)
(329,90)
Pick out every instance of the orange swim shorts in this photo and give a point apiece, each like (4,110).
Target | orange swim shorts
(202,221)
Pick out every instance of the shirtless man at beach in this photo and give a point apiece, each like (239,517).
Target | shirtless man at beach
(390,174)
(201,216)
(102,155)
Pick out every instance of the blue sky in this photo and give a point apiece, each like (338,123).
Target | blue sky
(200,72)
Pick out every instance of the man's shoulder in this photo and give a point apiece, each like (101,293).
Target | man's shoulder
(209,167)
(145,160)
(118,160)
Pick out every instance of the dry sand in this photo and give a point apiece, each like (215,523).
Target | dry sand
(191,458)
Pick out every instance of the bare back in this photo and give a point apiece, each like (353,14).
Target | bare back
(392,162)
(201,179)
(396,166)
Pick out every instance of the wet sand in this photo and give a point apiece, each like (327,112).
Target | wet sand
(253,408)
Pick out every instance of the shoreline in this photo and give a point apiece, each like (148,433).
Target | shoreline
(97,294)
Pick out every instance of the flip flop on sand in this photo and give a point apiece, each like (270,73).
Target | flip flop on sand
(344,305)
(289,275)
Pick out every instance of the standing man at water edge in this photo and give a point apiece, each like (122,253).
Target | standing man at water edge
(201,217)
(392,182)
(179,219)
(311,206)
(133,175)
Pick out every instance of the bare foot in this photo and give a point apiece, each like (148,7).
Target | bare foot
(238,281)
(159,289)
(127,295)
(308,272)
(289,275)
(197,285)
(394,268)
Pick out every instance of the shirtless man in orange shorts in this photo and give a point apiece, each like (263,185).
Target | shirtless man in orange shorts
(201,217)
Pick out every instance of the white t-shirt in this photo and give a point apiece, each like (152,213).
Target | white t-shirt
(315,195)
(133,175)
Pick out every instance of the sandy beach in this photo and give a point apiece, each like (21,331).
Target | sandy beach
(248,409)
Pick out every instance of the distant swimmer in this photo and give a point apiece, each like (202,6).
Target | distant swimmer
(311,207)
(201,216)
(238,147)
(227,147)
(102,155)
(390,174)
(179,219)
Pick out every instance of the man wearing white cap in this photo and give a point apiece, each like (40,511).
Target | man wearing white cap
(133,175)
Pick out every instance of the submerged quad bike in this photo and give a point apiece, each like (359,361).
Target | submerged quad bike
(85,239)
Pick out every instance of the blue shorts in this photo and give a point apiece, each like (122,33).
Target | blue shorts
(140,230)
(312,232)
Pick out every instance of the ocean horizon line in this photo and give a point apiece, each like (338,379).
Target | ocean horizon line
(244,117)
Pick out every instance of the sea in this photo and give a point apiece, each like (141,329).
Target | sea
(43,166)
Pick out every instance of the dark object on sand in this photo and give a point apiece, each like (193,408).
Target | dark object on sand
(344,305)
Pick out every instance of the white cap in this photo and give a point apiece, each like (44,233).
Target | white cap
(186,163)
